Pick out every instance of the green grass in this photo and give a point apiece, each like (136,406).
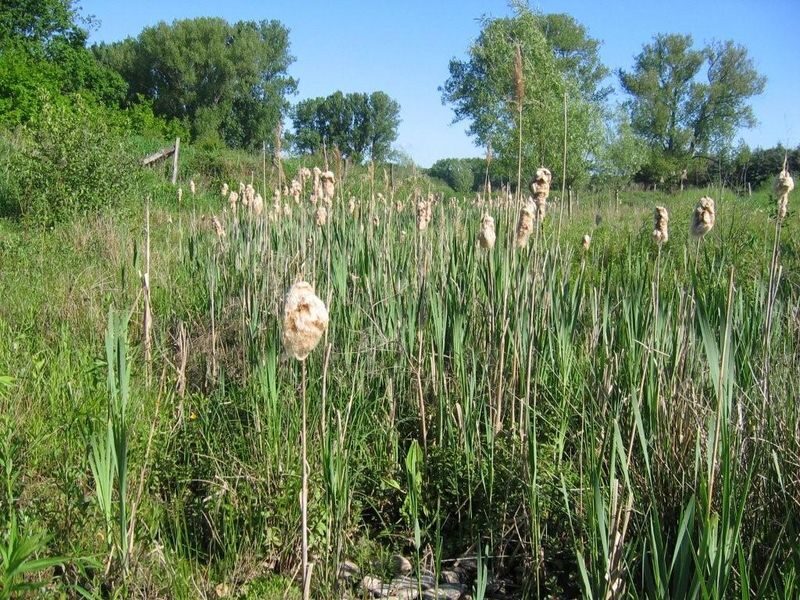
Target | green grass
(567,396)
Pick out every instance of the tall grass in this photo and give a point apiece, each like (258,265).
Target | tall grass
(579,422)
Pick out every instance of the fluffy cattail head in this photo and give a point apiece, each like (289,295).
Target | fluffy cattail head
(233,200)
(224,190)
(218,228)
(257,205)
(525,223)
(487,235)
(192,187)
(424,214)
(783,185)
(180,195)
(351,205)
(660,225)
(242,188)
(586,241)
(321,216)
(704,217)
(305,320)
(328,185)
(540,186)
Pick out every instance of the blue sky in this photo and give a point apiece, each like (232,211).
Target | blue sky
(403,48)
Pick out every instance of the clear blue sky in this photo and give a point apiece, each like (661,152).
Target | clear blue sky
(403,48)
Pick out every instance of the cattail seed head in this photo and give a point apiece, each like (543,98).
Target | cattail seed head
(305,320)
(192,187)
(224,190)
(519,77)
(424,214)
(525,223)
(351,206)
(257,205)
(783,185)
(218,228)
(704,217)
(586,241)
(233,200)
(540,186)
(660,225)
(180,195)
(487,235)
(321,216)
(328,186)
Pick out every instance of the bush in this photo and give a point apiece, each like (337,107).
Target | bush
(71,161)
(456,172)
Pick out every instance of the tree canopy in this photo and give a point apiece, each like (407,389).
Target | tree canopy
(360,125)
(558,60)
(675,111)
(225,81)
(43,54)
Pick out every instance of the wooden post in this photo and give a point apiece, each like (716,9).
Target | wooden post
(569,202)
(175,161)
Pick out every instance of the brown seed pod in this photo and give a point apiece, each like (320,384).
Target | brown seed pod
(660,225)
(487,235)
(321,216)
(305,320)
(525,223)
(704,217)
(328,181)
(233,200)
(783,185)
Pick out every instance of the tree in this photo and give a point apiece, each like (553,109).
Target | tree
(359,125)
(558,60)
(680,116)
(43,54)
(223,80)
(623,153)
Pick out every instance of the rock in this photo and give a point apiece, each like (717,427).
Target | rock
(445,591)
(455,575)
(401,565)
(348,571)
(374,586)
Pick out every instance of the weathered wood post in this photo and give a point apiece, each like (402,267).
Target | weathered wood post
(175,160)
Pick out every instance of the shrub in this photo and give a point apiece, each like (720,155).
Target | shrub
(457,173)
(71,161)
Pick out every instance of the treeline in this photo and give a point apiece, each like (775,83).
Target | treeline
(207,80)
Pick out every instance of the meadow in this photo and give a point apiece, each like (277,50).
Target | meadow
(617,420)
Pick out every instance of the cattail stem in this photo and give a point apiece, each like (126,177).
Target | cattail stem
(304,489)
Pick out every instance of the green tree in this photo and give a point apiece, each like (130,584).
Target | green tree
(359,125)
(558,60)
(458,173)
(224,80)
(623,154)
(681,116)
(42,54)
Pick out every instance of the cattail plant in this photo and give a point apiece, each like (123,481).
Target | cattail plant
(351,206)
(233,200)
(328,182)
(321,216)
(257,205)
(224,190)
(783,185)
(660,225)
(242,188)
(305,321)
(704,217)
(586,242)
(424,214)
(218,228)
(192,187)
(180,195)
(541,190)
(487,236)
(525,223)
(295,190)
(249,194)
